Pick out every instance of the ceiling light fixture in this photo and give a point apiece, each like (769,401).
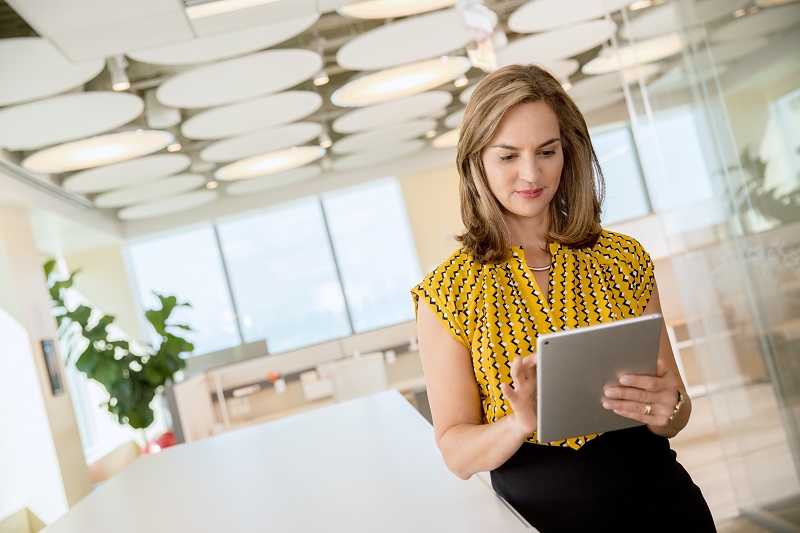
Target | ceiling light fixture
(119,78)
(389,9)
(269,163)
(325,140)
(397,82)
(480,22)
(739,13)
(174,147)
(212,184)
(98,151)
(640,4)
(321,77)
(223,6)
(461,82)
(430,134)
(631,56)
(566,85)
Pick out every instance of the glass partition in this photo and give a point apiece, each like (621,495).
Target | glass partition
(717,131)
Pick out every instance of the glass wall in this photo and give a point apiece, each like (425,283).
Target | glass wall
(295,274)
(283,276)
(718,136)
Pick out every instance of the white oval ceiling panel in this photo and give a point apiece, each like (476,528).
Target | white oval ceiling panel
(453,120)
(611,82)
(562,43)
(97,151)
(167,206)
(65,118)
(588,105)
(412,39)
(389,9)
(383,137)
(394,83)
(652,22)
(466,93)
(270,163)
(764,22)
(239,79)
(253,115)
(632,55)
(373,157)
(33,68)
(261,142)
(520,52)
(448,139)
(273,181)
(677,79)
(731,51)
(542,15)
(127,173)
(401,110)
(149,191)
(226,45)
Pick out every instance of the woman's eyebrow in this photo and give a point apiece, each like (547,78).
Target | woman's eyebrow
(509,147)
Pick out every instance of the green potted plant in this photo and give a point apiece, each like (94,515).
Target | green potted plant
(131,379)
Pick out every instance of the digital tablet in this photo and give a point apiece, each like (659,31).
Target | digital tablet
(575,366)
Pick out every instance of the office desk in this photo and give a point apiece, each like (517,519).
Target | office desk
(361,466)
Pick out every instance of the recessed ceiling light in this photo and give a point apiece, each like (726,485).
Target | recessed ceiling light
(401,81)
(97,151)
(385,9)
(633,55)
(461,82)
(270,163)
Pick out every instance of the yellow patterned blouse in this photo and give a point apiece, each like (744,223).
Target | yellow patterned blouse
(498,310)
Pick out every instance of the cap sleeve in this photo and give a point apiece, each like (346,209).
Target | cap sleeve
(438,295)
(642,276)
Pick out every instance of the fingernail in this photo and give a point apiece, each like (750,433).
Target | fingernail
(610,393)
(607,405)
(625,380)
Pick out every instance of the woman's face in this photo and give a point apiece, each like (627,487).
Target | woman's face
(523,160)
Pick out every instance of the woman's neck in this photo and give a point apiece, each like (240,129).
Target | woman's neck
(529,233)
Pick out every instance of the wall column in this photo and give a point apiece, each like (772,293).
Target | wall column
(47,461)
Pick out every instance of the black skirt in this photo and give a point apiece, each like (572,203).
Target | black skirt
(626,480)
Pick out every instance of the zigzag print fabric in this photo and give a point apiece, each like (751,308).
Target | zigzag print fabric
(497,310)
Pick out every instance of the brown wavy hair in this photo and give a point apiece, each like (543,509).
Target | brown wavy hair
(575,208)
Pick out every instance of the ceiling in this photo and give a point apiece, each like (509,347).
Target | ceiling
(223,114)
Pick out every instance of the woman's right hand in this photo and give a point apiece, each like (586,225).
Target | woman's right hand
(522,396)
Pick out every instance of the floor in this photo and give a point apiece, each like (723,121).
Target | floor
(737,459)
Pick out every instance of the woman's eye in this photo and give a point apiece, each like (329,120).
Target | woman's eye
(548,153)
(506,157)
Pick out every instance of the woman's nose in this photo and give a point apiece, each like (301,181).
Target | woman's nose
(528,171)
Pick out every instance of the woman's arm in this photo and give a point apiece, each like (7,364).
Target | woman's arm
(631,398)
(467,444)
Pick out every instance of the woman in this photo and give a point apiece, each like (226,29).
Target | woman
(535,259)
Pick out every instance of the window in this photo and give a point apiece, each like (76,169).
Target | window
(625,195)
(283,277)
(375,252)
(188,265)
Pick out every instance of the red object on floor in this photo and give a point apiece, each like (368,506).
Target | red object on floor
(162,441)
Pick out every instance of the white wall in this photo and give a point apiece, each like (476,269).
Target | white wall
(433,209)
(103,280)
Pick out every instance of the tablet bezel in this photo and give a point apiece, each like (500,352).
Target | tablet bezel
(575,366)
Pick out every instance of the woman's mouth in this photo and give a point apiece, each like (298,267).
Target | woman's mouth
(530,193)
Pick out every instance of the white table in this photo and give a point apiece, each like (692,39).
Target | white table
(365,465)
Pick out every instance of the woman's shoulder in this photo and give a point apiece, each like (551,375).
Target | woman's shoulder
(613,244)
(459,266)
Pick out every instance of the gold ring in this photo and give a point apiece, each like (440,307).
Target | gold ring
(647,409)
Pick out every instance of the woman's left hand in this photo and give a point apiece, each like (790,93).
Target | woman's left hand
(648,399)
